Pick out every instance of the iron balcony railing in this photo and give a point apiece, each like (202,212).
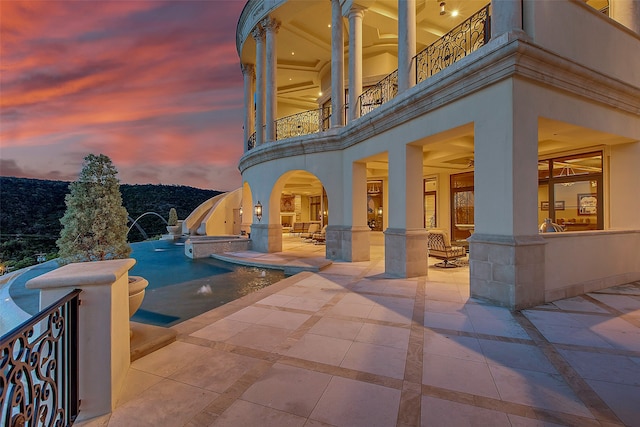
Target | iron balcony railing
(384,91)
(467,37)
(251,143)
(304,123)
(39,368)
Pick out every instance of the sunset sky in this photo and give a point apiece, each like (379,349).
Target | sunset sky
(154,85)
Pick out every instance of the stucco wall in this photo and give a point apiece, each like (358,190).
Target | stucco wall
(580,262)
(584,35)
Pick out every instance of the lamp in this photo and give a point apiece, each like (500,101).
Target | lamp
(258,210)
(379,210)
(442,11)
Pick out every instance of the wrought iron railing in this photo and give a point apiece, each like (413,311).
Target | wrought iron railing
(384,91)
(39,368)
(251,143)
(304,123)
(455,45)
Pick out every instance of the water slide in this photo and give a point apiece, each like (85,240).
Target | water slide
(216,216)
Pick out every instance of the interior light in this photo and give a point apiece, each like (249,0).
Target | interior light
(442,11)
(320,93)
(454,13)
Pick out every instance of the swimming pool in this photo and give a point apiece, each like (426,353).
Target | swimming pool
(179,287)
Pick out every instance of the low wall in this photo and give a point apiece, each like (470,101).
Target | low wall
(201,247)
(580,262)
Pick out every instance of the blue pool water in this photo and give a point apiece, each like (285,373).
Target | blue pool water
(179,287)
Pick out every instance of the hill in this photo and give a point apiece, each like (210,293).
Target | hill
(30,212)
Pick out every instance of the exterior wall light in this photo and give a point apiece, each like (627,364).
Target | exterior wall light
(240,210)
(258,210)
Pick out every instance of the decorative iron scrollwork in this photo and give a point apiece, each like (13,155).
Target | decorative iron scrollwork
(251,143)
(384,91)
(39,368)
(304,123)
(467,37)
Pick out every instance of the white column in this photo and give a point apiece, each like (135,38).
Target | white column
(626,12)
(258,35)
(104,346)
(337,65)
(248,73)
(271,27)
(406,43)
(506,15)
(355,60)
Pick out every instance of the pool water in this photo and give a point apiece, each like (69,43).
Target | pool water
(179,287)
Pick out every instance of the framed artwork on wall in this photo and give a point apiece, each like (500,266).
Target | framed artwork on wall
(587,204)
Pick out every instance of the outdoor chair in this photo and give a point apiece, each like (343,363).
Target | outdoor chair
(440,247)
(298,227)
(320,238)
(313,228)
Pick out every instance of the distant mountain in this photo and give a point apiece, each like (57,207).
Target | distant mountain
(30,212)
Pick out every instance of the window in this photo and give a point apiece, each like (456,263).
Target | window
(462,205)
(570,191)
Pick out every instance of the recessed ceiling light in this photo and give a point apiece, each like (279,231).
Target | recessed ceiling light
(328,25)
(319,93)
(454,13)
(293,53)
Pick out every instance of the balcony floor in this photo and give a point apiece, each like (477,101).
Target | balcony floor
(347,346)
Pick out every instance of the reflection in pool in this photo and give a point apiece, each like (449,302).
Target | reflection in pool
(179,286)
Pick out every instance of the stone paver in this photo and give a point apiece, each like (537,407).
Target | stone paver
(348,346)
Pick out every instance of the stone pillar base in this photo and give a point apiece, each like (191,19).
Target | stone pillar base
(507,270)
(348,243)
(266,237)
(405,252)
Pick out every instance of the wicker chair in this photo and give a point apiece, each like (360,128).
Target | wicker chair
(440,247)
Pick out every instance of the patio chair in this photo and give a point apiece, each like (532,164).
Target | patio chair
(313,228)
(440,247)
(320,238)
(298,227)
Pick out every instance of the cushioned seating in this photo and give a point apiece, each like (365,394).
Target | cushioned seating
(440,247)
(320,238)
(298,227)
(313,228)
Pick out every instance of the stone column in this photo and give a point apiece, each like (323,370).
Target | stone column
(271,27)
(258,35)
(406,44)
(103,346)
(248,72)
(355,60)
(350,242)
(626,12)
(506,16)
(405,239)
(506,252)
(337,65)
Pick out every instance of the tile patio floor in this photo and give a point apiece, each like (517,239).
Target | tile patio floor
(350,347)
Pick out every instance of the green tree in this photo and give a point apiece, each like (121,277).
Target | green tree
(94,226)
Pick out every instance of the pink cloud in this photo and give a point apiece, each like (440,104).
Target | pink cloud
(154,85)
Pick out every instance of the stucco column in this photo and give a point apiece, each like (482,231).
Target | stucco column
(248,72)
(405,239)
(271,27)
(406,43)
(355,60)
(626,12)
(258,35)
(337,65)
(103,346)
(350,241)
(506,16)
(506,252)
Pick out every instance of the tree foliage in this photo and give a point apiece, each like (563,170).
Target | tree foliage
(30,212)
(95,222)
